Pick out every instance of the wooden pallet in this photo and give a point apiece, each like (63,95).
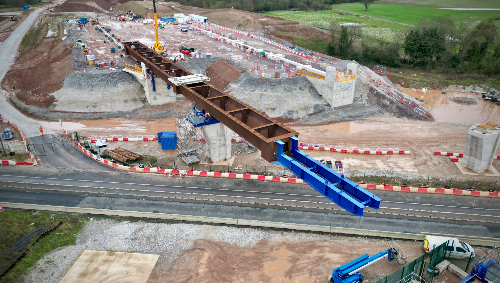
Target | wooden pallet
(122,155)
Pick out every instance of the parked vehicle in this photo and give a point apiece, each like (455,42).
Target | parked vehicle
(184,29)
(455,249)
(147,21)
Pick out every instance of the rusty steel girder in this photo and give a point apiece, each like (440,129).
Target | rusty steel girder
(254,126)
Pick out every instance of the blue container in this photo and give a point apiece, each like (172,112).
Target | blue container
(112,50)
(209,56)
(7,135)
(26,7)
(168,140)
(84,20)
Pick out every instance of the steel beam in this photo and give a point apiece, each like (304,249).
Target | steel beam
(254,126)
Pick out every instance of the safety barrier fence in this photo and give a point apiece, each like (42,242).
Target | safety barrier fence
(262,177)
(453,154)
(424,266)
(396,94)
(378,151)
(270,42)
(31,154)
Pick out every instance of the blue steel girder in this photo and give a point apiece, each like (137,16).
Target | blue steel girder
(329,183)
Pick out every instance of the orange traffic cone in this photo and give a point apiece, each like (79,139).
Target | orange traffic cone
(84,71)
(180,176)
(1,209)
(169,176)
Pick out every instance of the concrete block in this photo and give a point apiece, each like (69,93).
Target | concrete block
(480,147)
(335,93)
(457,271)
(218,139)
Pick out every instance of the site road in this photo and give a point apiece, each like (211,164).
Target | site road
(242,199)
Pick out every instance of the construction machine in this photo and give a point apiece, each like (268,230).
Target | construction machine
(349,273)
(13,18)
(157,47)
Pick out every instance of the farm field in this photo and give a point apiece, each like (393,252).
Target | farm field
(410,15)
(374,28)
(445,3)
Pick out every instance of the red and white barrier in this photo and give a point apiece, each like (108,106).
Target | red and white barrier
(32,157)
(444,153)
(437,191)
(121,138)
(378,151)
(267,178)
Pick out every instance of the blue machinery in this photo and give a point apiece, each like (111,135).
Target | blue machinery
(487,269)
(337,188)
(329,183)
(349,273)
(201,118)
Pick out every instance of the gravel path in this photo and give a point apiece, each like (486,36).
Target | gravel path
(174,241)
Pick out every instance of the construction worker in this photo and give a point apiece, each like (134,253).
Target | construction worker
(41,130)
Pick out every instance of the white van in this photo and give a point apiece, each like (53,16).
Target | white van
(147,21)
(455,249)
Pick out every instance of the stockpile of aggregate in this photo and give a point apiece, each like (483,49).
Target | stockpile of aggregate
(292,98)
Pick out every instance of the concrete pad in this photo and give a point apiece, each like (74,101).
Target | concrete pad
(104,266)
(489,172)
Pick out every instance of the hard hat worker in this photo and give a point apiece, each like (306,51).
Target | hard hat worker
(41,130)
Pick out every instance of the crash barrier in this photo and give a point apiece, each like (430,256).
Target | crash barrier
(31,155)
(378,151)
(444,153)
(145,138)
(393,92)
(229,175)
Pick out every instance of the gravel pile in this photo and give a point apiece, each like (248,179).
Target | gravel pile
(464,100)
(287,97)
(167,240)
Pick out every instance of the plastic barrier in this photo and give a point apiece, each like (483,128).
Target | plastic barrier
(378,151)
(31,156)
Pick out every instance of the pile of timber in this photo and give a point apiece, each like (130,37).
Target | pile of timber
(122,155)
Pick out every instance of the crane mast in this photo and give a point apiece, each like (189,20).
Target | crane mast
(157,46)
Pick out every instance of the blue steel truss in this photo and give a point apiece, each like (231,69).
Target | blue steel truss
(329,183)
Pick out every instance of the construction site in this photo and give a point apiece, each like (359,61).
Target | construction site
(222,91)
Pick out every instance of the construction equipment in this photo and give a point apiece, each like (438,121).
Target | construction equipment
(487,269)
(95,21)
(13,18)
(349,273)
(157,47)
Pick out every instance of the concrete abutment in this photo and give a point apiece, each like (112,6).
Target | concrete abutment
(218,138)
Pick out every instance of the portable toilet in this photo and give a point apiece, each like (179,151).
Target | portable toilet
(168,140)
(7,134)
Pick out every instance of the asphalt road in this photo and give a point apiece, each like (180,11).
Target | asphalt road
(8,48)
(399,212)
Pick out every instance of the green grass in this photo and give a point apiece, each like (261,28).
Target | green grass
(445,3)
(17,224)
(34,36)
(410,15)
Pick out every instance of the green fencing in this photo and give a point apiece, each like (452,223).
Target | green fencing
(424,265)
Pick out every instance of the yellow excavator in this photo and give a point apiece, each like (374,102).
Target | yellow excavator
(157,47)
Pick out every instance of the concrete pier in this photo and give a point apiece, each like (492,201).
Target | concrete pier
(480,147)
(161,96)
(336,89)
(218,139)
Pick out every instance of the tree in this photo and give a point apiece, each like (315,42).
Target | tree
(367,3)
(424,46)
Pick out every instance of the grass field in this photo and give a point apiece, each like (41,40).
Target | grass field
(410,15)
(17,224)
(445,3)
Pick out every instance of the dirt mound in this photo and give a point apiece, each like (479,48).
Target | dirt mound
(222,73)
(39,71)
(464,100)
(87,6)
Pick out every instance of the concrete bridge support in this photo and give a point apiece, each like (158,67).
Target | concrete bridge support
(336,90)
(162,95)
(480,147)
(218,138)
